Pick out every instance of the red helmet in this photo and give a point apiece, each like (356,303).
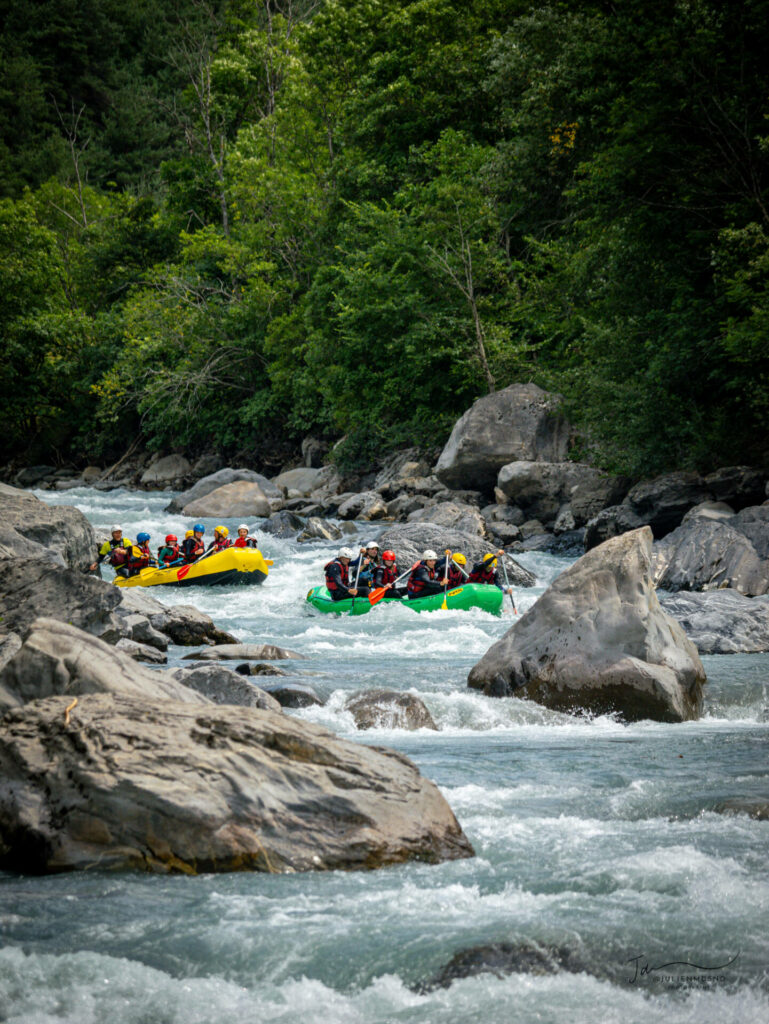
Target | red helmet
(171,538)
(388,556)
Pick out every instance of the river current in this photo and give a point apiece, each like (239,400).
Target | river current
(590,835)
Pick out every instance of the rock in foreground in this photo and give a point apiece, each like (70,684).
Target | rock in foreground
(174,788)
(598,641)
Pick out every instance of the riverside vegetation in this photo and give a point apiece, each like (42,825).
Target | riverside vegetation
(251,220)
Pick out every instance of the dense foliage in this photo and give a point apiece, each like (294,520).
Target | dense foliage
(232,224)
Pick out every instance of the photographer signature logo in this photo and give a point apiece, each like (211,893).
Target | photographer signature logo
(642,969)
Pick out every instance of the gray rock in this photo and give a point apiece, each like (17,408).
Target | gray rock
(740,486)
(166,787)
(367,505)
(304,480)
(611,522)
(400,466)
(715,510)
(705,555)
(721,621)
(564,521)
(502,959)
(504,533)
(135,627)
(169,471)
(663,501)
(541,488)
(141,652)
(532,528)
(593,494)
(31,475)
(222,685)
(313,451)
(409,540)
(31,588)
(404,504)
(182,623)
(293,695)
(210,483)
(248,669)
(91,474)
(232,501)
(509,514)
(753,523)
(319,529)
(757,809)
(10,643)
(521,422)
(389,709)
(283,524)
(206,465)
(466,518)
(56,658)
(598,641)
(245,652)
(31,529)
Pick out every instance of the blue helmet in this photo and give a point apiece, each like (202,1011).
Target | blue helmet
(142,537)
(199,528)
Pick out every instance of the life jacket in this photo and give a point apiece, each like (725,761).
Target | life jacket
(383,575)
(331,583)
(193,548)
(416,586)
(483,574)
(221,545)
(456,579)
(169,553)
(115,551)
(138,556)
(241,542)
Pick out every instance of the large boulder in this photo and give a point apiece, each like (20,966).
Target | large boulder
(721,621)
(389,709)
(595,493)
(541,488)
(704,554)
(598,641)
(304,480)
(183,624)
(402,466)
(454,515)
(31,529)
(225,686)
(168,472)
(232,501)
(409,540)
(56,658)
(167,787)
(753,523)
(740,486)
(31,588)
(367,505)
(521,422)
(208,484)
(663,501)
(611,522)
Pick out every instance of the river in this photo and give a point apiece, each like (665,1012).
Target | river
(590,835)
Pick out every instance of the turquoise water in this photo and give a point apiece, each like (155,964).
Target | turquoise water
(594,836)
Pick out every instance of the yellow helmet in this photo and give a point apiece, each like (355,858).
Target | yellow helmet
(222,530)
(490,557)
(189,533)
(459,558)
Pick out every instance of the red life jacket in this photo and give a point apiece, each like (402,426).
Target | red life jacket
(383,575)
(484,575)
(220,545)
(134,561)
(416,586)
(118,556)
(172,552)
(241,542)
(331,583)
(456,579)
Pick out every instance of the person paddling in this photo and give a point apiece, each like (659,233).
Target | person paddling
(486,571)
(139,556)
(115,550)
(386,574)
(194,545)
(369,560)
(220,541)
(425,579)
(338,577)
(170,554)
(455,575)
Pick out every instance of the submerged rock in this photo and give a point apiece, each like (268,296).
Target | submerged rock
(598,641)
(389,709)
(502,959)
(293,695)
(244,652)
(168,787)
(56,658)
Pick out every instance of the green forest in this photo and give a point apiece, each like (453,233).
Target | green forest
(228,225)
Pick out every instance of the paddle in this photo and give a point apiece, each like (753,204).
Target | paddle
(357,576)
(444,606)
(379,592)
(507,584)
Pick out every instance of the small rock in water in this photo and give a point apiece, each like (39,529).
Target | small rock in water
(247,669)
(245,652)
(502,959)
(224,686)
(293,695)
(319,529)
(758,809)
(389,709)
(141,652)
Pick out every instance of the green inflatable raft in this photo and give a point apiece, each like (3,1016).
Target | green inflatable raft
(471,595)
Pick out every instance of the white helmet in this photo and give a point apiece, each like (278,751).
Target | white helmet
(346,553)
(242,527)
(429,553)
(116,529)
(371,544)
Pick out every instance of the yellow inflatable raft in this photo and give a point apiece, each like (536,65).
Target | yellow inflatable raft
(225,568)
